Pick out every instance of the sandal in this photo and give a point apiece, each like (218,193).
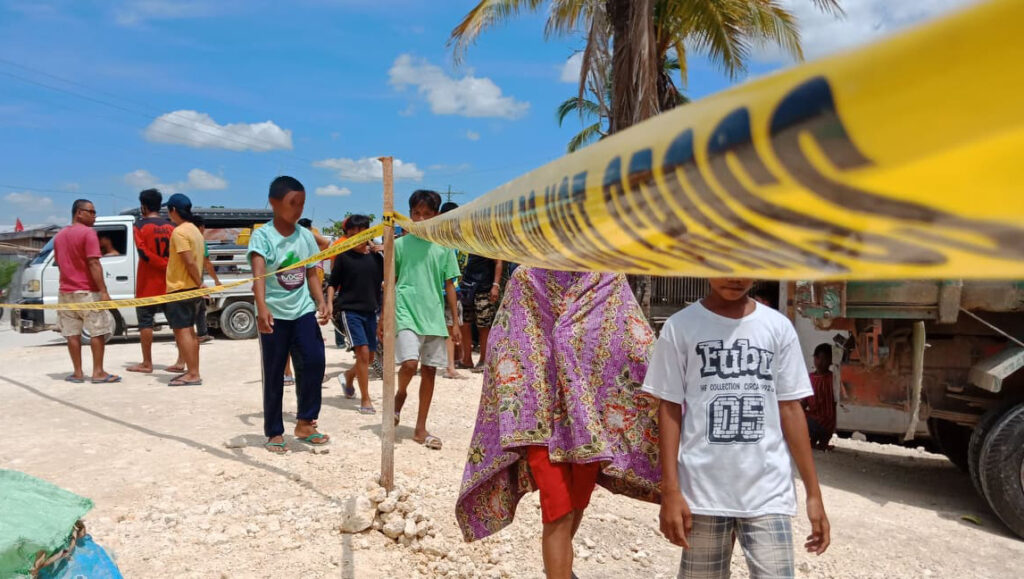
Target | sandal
(276,447)
(180,381)
(432,442)
(350,391)
(74,380)
(315,439)
(289,380)
(368,410)
(110,379)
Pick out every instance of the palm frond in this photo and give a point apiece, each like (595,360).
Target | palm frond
(767,21)
(680,47)
(484,15)
(585,137)
(830,7)
(570,16)
(585,107)
(717,28)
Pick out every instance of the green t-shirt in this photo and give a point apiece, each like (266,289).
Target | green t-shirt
(421,267)
(287,295)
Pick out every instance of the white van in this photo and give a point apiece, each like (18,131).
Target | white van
(232,311)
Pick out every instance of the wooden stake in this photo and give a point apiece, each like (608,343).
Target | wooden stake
(387,455)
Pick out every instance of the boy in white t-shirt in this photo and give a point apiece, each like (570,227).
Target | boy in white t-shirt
(730,374)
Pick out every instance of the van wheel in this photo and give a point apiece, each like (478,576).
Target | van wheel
(974,447)
(1002,469)
(238,321)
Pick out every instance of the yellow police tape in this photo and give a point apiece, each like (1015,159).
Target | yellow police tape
(332,251)
(900,160)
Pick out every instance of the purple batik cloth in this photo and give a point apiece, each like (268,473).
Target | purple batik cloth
(566,359)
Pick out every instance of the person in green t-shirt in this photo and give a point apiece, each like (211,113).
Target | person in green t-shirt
(288,305)
(421,267)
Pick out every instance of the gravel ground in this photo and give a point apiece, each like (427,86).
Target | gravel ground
(174,498)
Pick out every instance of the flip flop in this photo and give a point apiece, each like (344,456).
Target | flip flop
(454,376)
(398,418)
(110,379)
(74,380)
(432,442)
(270,446)
(179,382)
(350,391)
(314,439)
(367,410)
(289,380)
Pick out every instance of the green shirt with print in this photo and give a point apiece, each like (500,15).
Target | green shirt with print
(421,267)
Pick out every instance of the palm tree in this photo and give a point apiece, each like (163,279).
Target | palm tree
(644,34)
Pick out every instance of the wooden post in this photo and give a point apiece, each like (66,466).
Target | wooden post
(387,455)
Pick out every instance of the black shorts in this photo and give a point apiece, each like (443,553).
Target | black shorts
(145,314)
(182,314)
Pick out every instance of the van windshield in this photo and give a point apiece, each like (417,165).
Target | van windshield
(43,253)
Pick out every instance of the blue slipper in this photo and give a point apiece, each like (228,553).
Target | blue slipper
(74,380)
(110,379)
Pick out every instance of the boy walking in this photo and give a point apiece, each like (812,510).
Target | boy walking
(357,276)
(421,267)
(287,304)
(736,367)
(821,407)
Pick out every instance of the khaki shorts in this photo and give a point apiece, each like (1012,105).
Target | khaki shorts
(71,322)
(428,350)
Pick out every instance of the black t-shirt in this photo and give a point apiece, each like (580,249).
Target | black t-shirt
(360,276)
(479,270)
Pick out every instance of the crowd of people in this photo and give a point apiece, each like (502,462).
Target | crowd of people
(705,419)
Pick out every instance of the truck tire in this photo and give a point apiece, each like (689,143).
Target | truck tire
(238,321)
(981,430)
(1002,469)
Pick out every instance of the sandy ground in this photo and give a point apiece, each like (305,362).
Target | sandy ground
(173,501)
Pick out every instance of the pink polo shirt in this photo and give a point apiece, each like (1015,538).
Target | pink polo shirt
(72,248)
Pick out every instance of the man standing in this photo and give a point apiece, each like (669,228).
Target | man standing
(481,290)
(183,274)
(77,252)
(153,240)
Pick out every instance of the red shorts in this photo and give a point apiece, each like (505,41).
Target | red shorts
(564,487)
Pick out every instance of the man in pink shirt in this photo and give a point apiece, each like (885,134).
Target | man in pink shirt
(76,250)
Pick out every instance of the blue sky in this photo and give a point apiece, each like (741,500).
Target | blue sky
(100,99)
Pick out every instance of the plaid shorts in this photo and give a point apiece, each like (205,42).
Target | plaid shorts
(767,543)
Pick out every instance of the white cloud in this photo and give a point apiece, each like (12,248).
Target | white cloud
(29,201)
(134,12)
(369,169)
(201,180)
(473,135)
(333,191)
(865,21)
(72,187)
(571,69)
(198,180)
(468,96)
(199,130)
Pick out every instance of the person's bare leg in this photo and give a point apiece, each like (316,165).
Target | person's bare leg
(188,351)
(427,375)
(75,350)
(361,372)
(146,340)
(467,345)
(484,333)
(556,545)
(405,374)
(451,371)
(98,344)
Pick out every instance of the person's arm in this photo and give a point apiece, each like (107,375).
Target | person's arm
(211,270)
(96,273)
(794,428)
(499,268)
(191,266)
(264,319)
(453,303)
(676,519)
(316,289)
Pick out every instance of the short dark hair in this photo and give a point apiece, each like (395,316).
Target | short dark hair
(356,222)
(284,185)
(151,199)
(432,199)
(825,349)
(449,206)
(77,206)
(198,221)
(306,222)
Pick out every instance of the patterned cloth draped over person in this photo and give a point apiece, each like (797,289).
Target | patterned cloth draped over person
(567,358)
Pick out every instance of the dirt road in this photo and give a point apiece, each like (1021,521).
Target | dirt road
(173,500)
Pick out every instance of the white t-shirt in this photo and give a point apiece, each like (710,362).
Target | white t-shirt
(730,376)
